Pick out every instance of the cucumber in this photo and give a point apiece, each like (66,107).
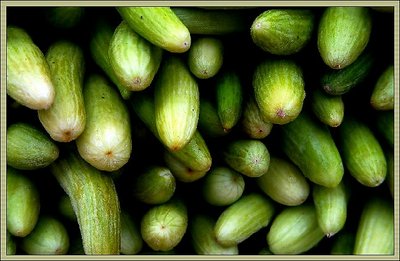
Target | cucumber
(222,186)
(65,120)
(362,153)
(375,231)
(343,243)
(382,97)
(279,90)
(134,60)
(329,109)
(29,147)
(243,218)
(50,237)
(209,122)
(294,230)
(28,74)
(11,245)
(23,203)
(64,17)
(177,103)
(159,25)
(106,142)
(205,57)
(284,183)
(282,31)
(65,208)
(95,202)
(131,240)
(384,126)
(201,230)
(343,34)
(252,122)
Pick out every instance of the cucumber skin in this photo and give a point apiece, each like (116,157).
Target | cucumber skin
(329,109)
(382,97)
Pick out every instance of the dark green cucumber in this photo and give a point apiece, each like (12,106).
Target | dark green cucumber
(302,140)
(343,34)
(28,74)
(135,61)
(65,17)
(384,122)
(29,147)
(283,31)
(65,120)
(252,122)
(65,207)
(131,240)
(382,97)
(106,142)
(11,245)
(343,243)
(209,122)
(159,25)
(329,109)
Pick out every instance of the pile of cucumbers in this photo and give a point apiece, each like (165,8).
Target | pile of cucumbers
(204,130)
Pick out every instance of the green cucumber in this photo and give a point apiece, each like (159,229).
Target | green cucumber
(294,230)
(11,245)
(64,17)
(382,97)
(66,118)
(135,61)
(177,103)
(343,243)
(284,183)
(279,90)
(283,31)
(28,74)
(343,34)
(65,207)
(29,147)
(95,202)
(209,122)
(159,25)
(49,237)
(384,123)
(205,57)
(302,140)
(23,203)
(131,240)
(362,153)
(329,109)
(106,141)
(252,122)
(243,218)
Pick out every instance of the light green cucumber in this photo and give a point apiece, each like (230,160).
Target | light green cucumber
(65,120)
(282,31)
(284,183)
(343,34)
(155,185)
(23,203)
(134,60)
(302,140)
(222,186)
(95,202)
(28,74)
(209,122)
(131,240)
(49,237)
(99,45)
(294,230)
(106,142)
(331,207)
(159,25)
(176,103)
(362,153)
(243,218)
(343,243)
(64,17)
(279,90)
(382,97)
(11,245)
(384,123)
(163,226)
(29,147)
(252,122)
(201,230)
(205,57)
(375,232)
(229,99)
(329,109)
(248,157)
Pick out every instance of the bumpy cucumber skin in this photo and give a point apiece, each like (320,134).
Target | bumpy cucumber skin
(66,118)
(177,103)
(95,202)
(303,140)
(159,25)
(282,31)
(49,237)
(134,60)
(252,122)
(295,230)
(279,90)
(28,74)
(362,153)
(29,147)
(131,240)
(243,218)
(23,203)
(329,109)
(382,97)
(375,232)
(343,34)
(106,141)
